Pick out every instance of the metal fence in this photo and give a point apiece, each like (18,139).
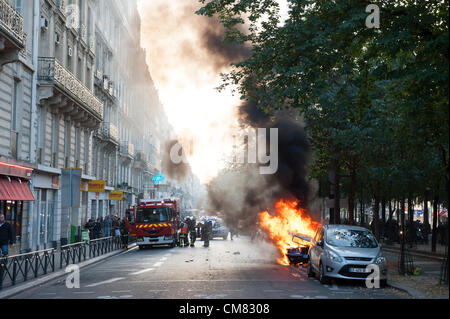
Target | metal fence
(21,268)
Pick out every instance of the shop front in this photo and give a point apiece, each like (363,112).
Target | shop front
(15,195)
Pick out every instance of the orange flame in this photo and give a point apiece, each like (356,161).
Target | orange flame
(288,220)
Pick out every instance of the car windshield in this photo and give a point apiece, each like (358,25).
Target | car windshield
(351,238)
(152,215)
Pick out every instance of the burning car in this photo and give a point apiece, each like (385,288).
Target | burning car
(299,255)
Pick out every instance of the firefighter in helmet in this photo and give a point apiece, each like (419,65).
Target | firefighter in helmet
(191,223)
(207,229)
(184,240)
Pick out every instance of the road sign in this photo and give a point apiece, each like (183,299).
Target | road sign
(158,179)
(70,187)
(97,186)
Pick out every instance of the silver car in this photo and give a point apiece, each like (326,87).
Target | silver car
(344,252)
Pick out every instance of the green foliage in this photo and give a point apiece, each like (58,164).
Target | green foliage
(375,101)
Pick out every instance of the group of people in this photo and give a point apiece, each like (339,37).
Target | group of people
(103,227)
(415,233)
(189,230)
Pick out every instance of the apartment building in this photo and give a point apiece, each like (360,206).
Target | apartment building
(75,92)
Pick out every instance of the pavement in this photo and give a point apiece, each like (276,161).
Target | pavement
(236,269)
(425,285)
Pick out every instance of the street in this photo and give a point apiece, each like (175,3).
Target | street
(236,269)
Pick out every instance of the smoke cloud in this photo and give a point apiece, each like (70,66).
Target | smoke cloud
(240,194)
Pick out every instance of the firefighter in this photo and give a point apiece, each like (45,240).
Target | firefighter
(191,222)
(184,240)
(207,230)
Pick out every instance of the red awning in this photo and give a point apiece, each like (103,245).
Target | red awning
(16,190)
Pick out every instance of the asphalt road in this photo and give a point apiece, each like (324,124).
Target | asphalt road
(226,270)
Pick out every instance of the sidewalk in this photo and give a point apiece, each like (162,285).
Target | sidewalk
(10,291)
(424,285)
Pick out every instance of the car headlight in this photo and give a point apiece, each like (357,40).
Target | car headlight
(334,257)
(380,259)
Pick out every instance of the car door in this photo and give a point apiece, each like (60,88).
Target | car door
(319,249)
(314,251)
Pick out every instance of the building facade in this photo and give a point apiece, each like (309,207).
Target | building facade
(75,92)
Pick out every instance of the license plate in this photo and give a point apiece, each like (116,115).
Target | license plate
(359,270)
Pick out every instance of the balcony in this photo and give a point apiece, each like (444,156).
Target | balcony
(51,74)
(110,132)
(126,149)
(140,160)
(12,36)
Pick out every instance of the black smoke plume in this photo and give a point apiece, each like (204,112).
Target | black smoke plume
(239,194)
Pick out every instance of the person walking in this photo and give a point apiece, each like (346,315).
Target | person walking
(90,227)
(6,236)
(116,226)
(124,234)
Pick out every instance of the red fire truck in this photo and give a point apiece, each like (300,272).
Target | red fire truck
(154,222)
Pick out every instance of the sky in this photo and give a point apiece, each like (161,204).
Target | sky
(186,73)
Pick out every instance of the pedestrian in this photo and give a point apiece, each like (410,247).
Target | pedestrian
(116,226)
(97,228)
(90,227)
(6,236)
(124,234)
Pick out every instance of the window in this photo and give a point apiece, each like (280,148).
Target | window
(152,215)
(19,6)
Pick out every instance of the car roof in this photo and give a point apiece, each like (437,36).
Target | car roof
(348,227)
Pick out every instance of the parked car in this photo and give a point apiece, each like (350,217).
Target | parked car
(344,252)
(219,230)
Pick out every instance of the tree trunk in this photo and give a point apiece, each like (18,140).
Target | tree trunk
(426,218)
(361,216)
(402,236)
(391,212)
(337,197)
(351,198)
(383,210)
(411,230)
(376,208)
(435,217)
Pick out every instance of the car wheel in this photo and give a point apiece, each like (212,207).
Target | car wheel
(322,277)
(310,271)
(141,247)
(225,237)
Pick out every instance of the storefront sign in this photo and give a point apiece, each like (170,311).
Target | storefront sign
(96,186)
(115,195)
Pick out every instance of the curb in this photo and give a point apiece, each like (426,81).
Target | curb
(412,292)
(14,290)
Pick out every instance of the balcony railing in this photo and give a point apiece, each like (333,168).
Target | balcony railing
(51,72)
(140,156)
(110,131)
(127,148)
(12,22)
